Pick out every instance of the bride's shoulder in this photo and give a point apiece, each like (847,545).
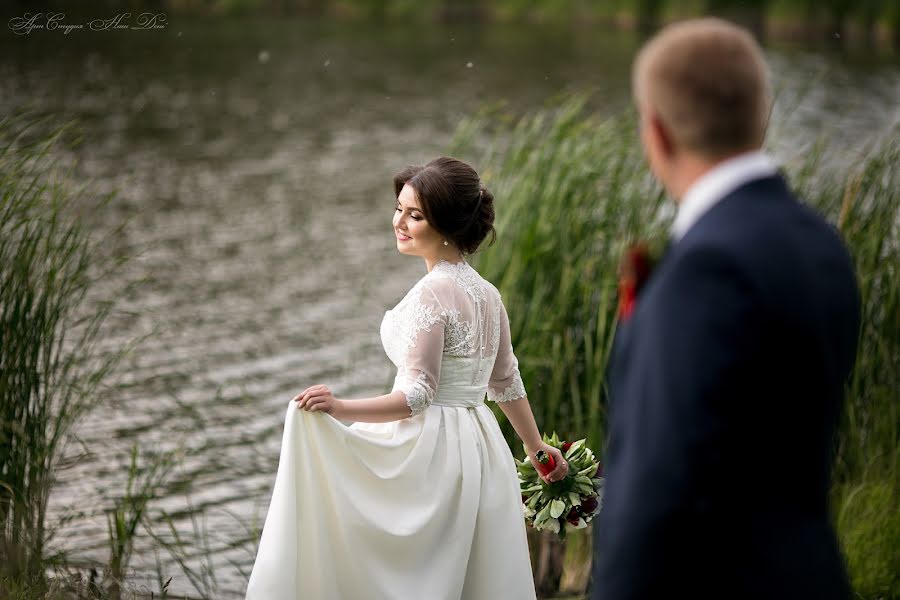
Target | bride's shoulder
(492,289)
(452,278)
(431,287)
(439,284)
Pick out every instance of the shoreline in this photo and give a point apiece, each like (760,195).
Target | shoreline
(813,28)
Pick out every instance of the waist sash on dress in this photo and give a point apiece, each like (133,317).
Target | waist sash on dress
(463,381)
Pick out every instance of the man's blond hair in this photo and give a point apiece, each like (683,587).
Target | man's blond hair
(706,80)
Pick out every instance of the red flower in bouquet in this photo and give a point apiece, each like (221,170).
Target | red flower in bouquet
(546,462)
(635,269)
(589,505)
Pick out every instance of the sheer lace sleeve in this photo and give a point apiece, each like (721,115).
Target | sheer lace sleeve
(505,383)
(422,334)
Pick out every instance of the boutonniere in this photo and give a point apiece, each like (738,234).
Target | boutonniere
(634,271)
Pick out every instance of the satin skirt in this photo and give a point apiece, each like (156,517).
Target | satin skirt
(425,508)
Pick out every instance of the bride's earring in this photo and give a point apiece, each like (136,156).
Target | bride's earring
(446,243)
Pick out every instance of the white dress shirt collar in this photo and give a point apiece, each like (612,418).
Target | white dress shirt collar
(717,183)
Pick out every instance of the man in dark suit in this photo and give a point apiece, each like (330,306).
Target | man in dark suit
(726,382)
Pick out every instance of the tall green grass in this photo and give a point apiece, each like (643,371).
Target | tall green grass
(53,371)
(573,191)
(865,203)
(46,385)
(54,374)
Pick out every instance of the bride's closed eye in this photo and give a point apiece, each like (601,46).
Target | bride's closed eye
(415,217)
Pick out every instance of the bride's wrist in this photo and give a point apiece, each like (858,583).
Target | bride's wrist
(533,447)
(340,410)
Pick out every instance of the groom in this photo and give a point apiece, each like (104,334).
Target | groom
(727,380)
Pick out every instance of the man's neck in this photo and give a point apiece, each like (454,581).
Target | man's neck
(714,182)
(691,166)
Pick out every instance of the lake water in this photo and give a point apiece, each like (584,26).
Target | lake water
(254,159)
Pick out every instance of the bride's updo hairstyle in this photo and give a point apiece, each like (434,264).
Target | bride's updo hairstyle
(453,201)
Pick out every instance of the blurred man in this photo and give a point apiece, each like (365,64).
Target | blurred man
(727,380)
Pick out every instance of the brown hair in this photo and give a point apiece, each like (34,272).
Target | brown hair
(453,200)
(706,80)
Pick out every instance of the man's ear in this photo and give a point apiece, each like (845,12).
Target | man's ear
(662,139)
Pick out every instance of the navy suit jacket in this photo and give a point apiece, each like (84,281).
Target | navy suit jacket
(725,390)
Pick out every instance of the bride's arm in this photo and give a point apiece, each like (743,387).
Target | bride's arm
(519,414)
(417,382)
(506,388)
(380,409)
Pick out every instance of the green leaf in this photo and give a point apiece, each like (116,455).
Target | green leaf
(575,448)
(542,515)
(576,457)
(557,507)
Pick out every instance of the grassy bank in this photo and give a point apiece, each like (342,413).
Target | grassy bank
(54,371)
(46,385)
(573,191)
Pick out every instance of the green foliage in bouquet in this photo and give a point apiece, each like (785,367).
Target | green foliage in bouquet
(571,502)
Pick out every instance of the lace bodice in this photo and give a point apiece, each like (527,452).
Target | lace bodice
(451,330)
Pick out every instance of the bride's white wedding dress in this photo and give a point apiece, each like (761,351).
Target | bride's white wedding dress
(424,508)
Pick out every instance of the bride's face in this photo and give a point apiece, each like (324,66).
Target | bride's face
(414,235)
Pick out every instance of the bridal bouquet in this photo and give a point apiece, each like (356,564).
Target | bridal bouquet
(570,503)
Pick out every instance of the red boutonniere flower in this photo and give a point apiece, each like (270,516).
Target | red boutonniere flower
(635,269)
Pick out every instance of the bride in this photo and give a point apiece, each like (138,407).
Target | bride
(418,498)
